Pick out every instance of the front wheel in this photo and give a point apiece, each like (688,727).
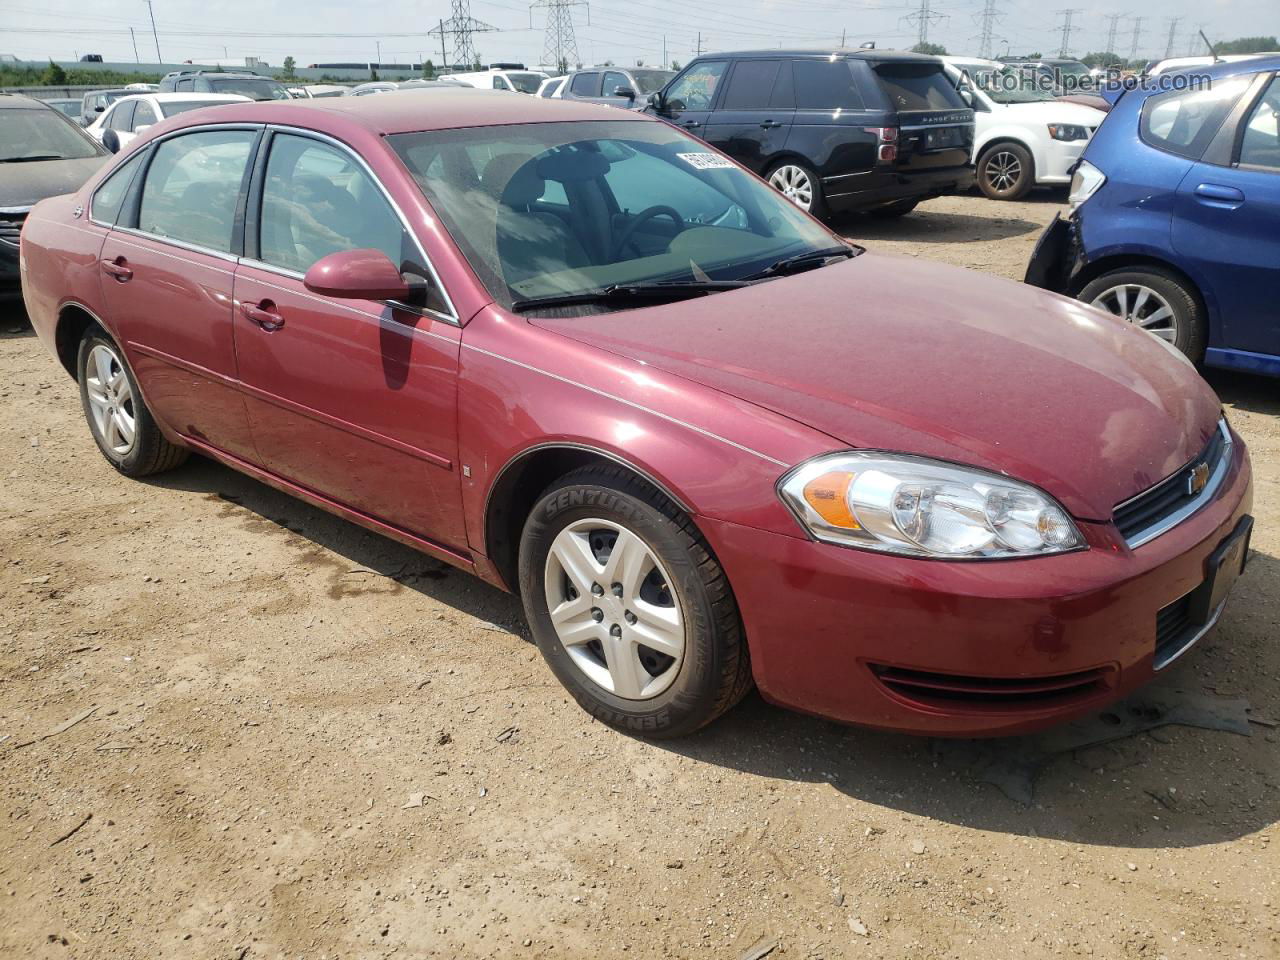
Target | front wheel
(1006,172)
(799,184)
(628,606)
(1154,299)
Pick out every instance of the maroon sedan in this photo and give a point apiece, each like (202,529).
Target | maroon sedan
(584,356)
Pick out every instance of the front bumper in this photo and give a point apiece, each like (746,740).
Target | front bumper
(10,278)
(965,648)
(1060,156)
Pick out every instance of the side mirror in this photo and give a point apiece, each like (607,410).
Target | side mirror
(99,108)
(657,101)
(141,129)
(111,140)
(625,92)
(356,275)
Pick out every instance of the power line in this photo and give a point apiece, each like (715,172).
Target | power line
(560,47)
(1067,16)
(922,18)
(1137,33)
(988,20)
(460,25)
(1113,22)
(1173,33)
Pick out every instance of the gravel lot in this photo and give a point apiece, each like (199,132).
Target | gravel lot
(311,742)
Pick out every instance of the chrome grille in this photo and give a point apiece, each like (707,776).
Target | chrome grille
(10,227)
(1172,500)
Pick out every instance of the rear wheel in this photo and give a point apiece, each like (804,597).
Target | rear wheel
(1154,299)
(799,184)
(628,607)
(1006,171)
(119,420)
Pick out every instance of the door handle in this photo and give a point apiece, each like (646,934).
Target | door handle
(263,314)
(1217,195)
(771,125)
(118,268)
(690,124)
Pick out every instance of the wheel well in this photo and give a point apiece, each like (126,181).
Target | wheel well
(1012,141)
(1097,268)
(519,486)
(73,321)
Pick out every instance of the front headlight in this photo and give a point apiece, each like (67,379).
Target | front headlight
(897,503)
(1068,131)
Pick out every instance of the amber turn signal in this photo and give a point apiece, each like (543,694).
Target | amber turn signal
(828,495)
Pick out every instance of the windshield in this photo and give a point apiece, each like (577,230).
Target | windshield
(42,133)
(1072,69)
(253,89)
(549,209)
(651,81)
(525,82)
(1009,85)
(171,107)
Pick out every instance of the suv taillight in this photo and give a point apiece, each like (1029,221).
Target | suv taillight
(886,143)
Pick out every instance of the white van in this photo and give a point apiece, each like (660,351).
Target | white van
(517,81)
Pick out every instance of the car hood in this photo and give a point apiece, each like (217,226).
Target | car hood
(889,353)
(1053,111)
(23,184)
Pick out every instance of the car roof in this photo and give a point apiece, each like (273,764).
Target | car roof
(1230,68)
(878,56)
(448,109)
(184,96)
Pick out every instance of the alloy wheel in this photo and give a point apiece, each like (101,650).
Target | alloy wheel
(110,400)
(614,610)
(793,183)
(1003,171)
(1140,304)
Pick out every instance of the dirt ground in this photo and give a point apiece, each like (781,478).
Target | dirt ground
(310,742)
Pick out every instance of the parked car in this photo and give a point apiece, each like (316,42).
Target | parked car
(96,102)
(513,81)
(617,86)
(1157,67)
(850,130)
(551,86)
(67,106)
(581,354)
(245,84)
(313,91)
(132,115)
(91,58)
(1068,80)
(1174,213)
(42,154)
(372,87)
(1025,136)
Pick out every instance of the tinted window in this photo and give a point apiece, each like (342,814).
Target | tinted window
(316,201)
(121,116)
(585,85)
(525,82)
(109,197)
(1260,145)
(750,84)
(187,84)
(919,86)
(143,115)
(613,80)
(825,85)
(192,187)
(696,88)
(1184,121)
(650,81)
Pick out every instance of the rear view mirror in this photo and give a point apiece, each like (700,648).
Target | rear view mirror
(356,275)
(111,140)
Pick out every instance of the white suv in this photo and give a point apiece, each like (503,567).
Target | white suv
(1024,136)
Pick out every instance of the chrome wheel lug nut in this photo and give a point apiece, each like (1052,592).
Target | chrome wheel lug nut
(615,631)
(617,589)
(597,614)
(597,590)
(631,617)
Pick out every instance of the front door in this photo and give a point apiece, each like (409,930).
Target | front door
(688,100)
(167,271)
(352,399)
(755,114)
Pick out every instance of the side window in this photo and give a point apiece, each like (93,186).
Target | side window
(1184,121)
(613,80)
(1260,145)
(498,83)
(121,117)
(187,84)
(696,89)
(144,116)
(825,85)
(585,85)
(193,185)
(750,85)
(109,197)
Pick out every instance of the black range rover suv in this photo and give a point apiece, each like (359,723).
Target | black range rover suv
(833,130)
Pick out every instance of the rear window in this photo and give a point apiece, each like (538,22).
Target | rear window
(918,86)
(253,89)
(825,85)
(1184,121)
(172,107)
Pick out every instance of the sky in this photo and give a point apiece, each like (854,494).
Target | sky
(623,31)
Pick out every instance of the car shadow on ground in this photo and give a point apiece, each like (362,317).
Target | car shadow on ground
(928,226)
(1248,391)
(13,321)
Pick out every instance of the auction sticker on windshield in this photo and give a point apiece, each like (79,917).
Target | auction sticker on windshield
(706,161)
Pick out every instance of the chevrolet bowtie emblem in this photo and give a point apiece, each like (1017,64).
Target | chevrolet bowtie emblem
(1197,478)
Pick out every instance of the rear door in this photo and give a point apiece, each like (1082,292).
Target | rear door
(834,124)
(689,98)
(754,116)
(1227,220)
(935,125)
(167,269)
(353,399)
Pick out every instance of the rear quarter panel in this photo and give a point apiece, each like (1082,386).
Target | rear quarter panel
(59,256)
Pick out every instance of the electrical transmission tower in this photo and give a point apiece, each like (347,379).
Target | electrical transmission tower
(1173,35)
(1137,34)
(1067,16)
(1193,42)
(922,18)
(560,48)
(1113,21)
(460,25)
(987,36)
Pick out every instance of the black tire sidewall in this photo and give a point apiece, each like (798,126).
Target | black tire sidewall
(1025,182)
(146,433)
(692,698)
(1192,333)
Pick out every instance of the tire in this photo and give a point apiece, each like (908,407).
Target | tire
(1185,326)
(661,691)
(892,210)
(1006,171)
(788,178)
(112,412)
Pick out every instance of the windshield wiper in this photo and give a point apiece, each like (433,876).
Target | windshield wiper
(805,261)
(37,156)
(662,290)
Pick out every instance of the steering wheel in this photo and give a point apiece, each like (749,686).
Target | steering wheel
(644,216)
